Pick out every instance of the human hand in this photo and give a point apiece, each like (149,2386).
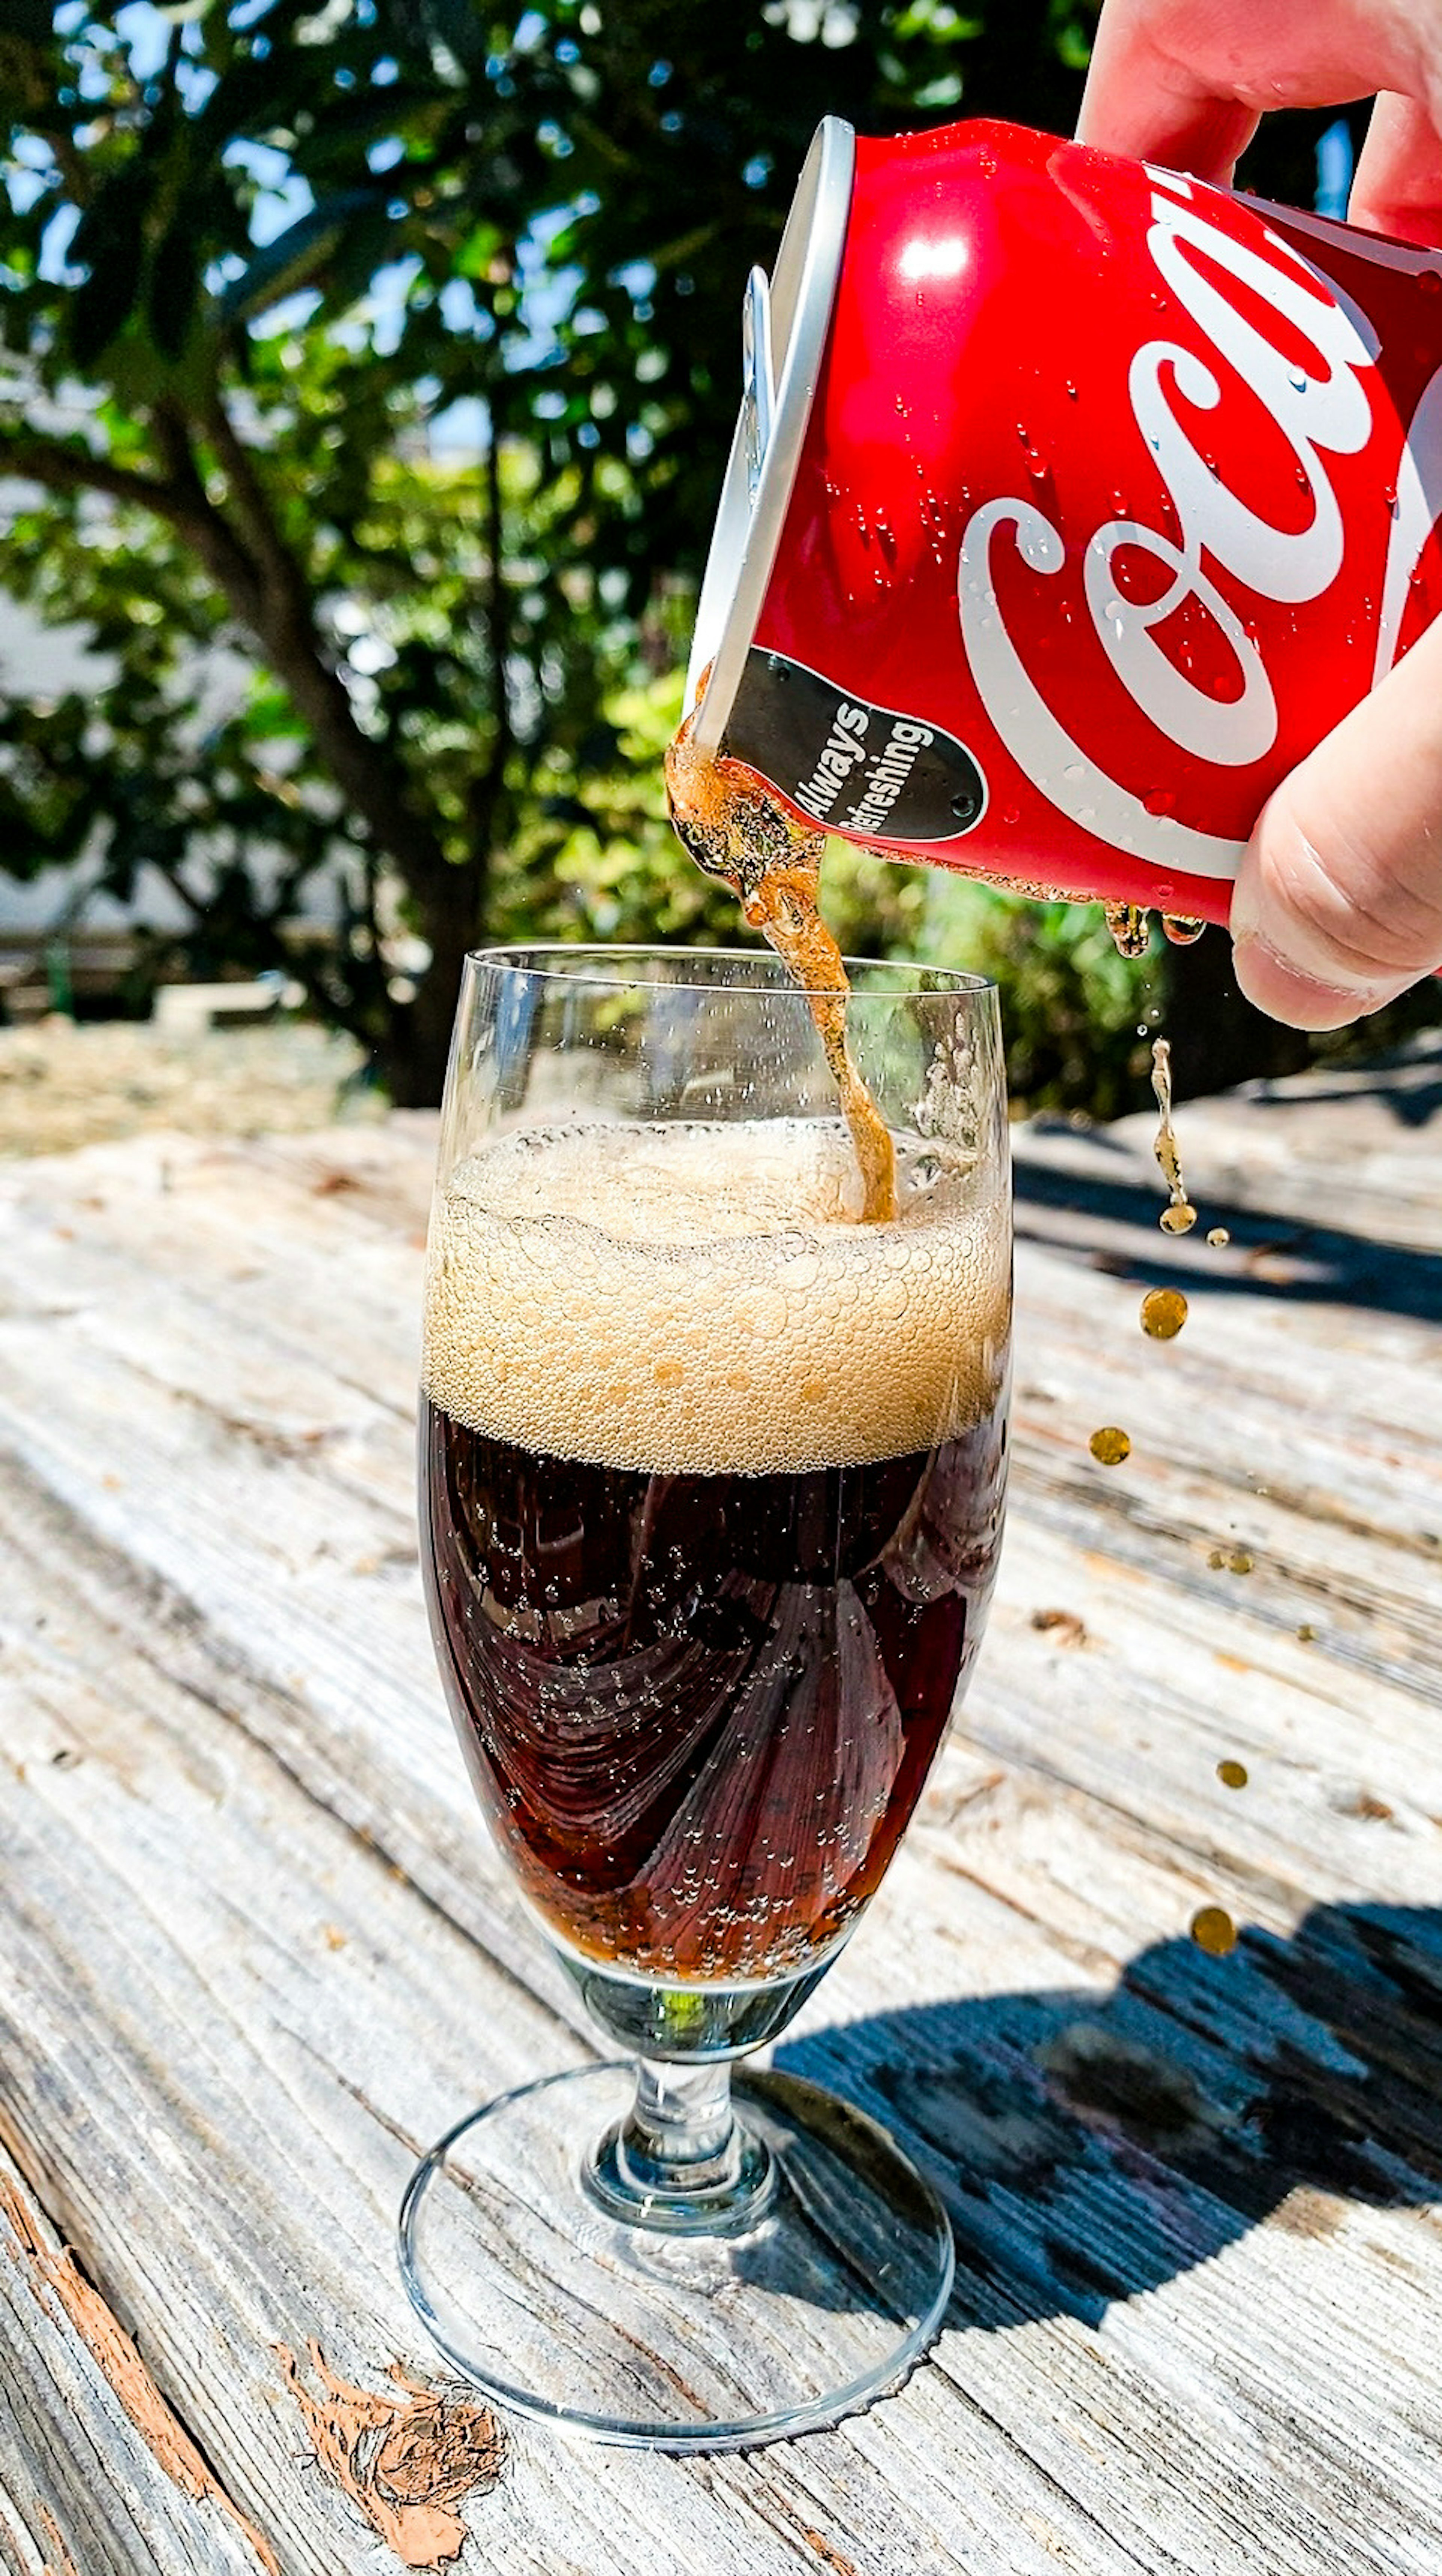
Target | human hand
(1338,900)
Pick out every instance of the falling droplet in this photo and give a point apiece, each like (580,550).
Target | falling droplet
(1130,926)
(1214,1931)
(1306,1632)
(1180,1216)
(1181,929)
(1232,1775)
(1240,1561)
(1218,1237)
(1164,1311)
(1109,1446)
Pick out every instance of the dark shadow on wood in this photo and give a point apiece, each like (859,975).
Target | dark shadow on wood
(1089,2147)
(1316,1264)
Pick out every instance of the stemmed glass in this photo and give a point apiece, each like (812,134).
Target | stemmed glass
(712,1478)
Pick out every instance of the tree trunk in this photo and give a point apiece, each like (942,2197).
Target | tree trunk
(450,910)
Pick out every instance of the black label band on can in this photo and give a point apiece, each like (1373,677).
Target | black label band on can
(858,769)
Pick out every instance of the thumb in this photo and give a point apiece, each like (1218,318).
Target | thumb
(1338,901)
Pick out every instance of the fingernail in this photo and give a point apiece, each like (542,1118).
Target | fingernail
(1273,986)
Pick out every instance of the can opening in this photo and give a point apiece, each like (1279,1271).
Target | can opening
(783,340)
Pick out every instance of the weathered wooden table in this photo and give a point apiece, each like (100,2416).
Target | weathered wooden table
(254,1949)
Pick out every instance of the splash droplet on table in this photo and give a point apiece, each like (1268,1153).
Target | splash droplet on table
(1109,1446)
(1232,1774)
(1164,1311)
(1213,1930)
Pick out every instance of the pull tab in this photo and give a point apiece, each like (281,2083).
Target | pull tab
(757,379)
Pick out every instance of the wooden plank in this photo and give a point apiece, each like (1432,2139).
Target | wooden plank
(1025,1988)
(96,2473)
(198,1957)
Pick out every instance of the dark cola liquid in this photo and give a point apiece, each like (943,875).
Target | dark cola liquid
(699,1710)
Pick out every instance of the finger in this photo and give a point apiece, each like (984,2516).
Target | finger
(1185,82)
(1338,903)
(1398,186)
(1148,95)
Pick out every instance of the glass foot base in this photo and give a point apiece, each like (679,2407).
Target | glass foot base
(682,2342)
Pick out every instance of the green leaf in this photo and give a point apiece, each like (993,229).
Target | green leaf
(297,256)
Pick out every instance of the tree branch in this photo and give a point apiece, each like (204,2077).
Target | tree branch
(72,469)
(486,789)
(368,776)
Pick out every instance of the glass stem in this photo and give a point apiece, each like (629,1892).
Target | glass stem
(680,2161)
(680,2137)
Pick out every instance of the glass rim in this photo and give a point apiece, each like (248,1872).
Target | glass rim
(528,957)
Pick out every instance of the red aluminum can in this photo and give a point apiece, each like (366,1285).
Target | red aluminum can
(1071,502)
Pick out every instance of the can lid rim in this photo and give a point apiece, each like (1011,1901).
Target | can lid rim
(748,525)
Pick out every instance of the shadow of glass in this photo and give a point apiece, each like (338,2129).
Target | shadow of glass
(1091,2146)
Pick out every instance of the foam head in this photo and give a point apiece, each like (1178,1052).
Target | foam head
(697,1300)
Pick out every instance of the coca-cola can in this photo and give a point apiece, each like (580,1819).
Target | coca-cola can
(1071,502)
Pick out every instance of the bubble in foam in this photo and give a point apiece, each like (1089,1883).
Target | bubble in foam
(696,1299)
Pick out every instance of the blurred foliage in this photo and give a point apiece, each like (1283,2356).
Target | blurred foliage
(368,367)
(1072,1008)
(258,256)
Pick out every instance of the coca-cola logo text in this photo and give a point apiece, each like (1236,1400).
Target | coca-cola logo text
(1322,409)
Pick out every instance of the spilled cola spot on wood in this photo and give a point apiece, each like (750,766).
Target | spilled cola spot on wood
(1307,2212)
(57,2281)
(1062,1626)
(407,2455)
(1116,2085)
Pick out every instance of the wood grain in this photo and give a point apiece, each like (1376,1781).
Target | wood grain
(255,1949)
